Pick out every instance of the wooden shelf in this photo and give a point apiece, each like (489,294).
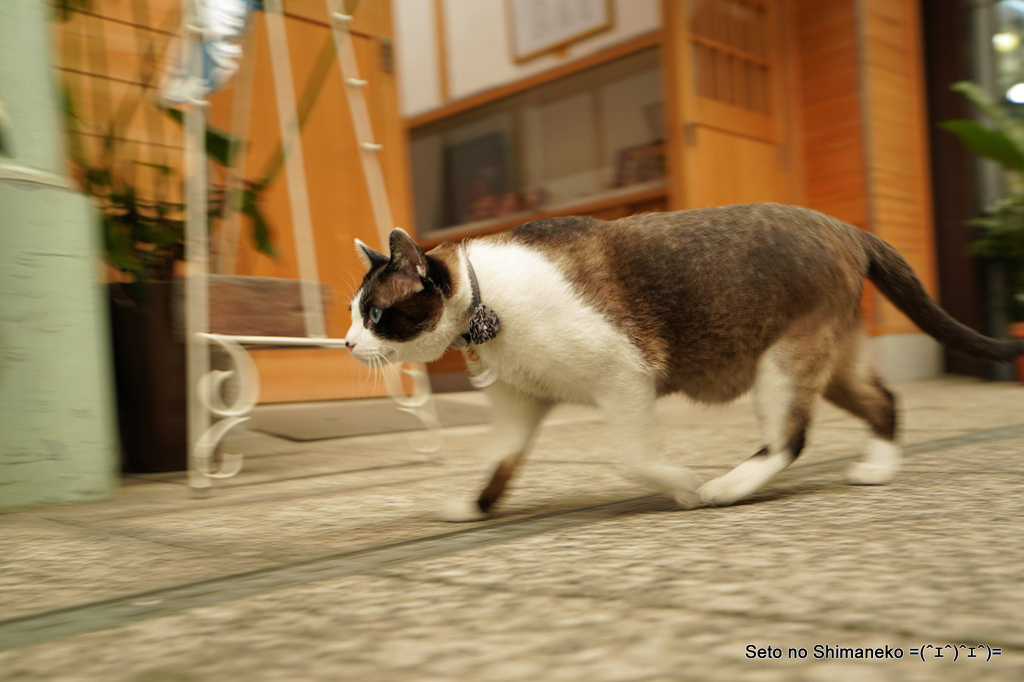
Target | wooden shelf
(587,205)
(470,102)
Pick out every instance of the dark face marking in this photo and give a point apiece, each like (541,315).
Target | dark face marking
(407,307)
(409,303)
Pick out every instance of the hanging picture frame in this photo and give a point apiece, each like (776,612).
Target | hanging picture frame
(541,26)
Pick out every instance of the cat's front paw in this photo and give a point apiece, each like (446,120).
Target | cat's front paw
(688,499)
(721,491)
(678,482)
(869,473)
(461,511)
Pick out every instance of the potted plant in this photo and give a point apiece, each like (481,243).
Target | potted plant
(143,235)
(144,247)
(144,239)
(1000,232)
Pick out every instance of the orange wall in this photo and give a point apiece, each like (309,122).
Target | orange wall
(831,121)
(863,127)
(338,195)
(100,54)
(897,144)
(855,79)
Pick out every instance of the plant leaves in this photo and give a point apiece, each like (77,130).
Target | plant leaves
(1001,118)
(220,146)
(98,177)
(163,168)
(990,144)
(260,227)
(120,250)
(64,8)
(71,124)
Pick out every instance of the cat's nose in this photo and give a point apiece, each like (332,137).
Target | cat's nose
(349,344)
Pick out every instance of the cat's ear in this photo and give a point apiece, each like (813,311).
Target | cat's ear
(406,256)
(369,258)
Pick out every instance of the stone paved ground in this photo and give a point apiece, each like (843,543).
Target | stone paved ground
(324,561)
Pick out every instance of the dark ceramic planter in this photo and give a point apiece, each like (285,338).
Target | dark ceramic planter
(149,368)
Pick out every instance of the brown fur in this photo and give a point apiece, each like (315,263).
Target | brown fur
(713,299)
(495,488)
(704,293)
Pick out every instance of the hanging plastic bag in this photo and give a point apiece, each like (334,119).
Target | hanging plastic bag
(224,24)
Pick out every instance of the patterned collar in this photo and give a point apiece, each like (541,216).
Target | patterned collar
(484,324)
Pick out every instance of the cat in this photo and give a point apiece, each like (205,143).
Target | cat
(708,302)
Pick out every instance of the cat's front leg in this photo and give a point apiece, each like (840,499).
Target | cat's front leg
(516,417)
(630,414)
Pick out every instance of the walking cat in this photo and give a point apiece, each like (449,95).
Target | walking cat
(707,302)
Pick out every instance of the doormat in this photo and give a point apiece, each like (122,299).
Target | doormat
(347,418)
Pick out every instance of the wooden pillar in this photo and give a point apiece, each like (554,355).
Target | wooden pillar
(896,142)
(865,150)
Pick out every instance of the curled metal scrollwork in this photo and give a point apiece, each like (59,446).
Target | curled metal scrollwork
(233,410)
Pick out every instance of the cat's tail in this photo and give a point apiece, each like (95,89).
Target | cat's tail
(898,283)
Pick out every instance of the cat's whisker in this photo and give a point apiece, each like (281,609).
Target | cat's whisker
(365,372)
(353,285)
(382,367)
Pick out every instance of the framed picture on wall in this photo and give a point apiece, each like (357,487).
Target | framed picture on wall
(540,26)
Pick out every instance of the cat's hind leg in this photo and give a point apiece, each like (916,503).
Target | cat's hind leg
(516,418)
(790,376)
(857,389)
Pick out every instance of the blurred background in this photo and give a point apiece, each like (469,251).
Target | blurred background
(489,113)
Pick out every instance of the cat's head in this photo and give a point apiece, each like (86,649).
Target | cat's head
(400,312)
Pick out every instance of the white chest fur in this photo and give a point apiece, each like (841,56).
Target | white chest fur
(552,344)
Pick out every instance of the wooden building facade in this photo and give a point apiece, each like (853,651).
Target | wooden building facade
(820,103)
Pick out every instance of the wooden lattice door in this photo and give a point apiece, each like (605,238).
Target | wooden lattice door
(730,76)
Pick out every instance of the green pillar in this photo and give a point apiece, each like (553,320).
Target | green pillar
(57,441)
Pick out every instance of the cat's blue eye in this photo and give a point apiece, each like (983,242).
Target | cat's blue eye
(375,314)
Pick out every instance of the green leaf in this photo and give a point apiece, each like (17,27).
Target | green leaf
(1001,118)
(98,176)
(171,232)
(220,146)
(71,123)
(163,168)
(987,223)
(64,8)
(120,250)
(982,100)
(108,140)
(260,227)
(990,144)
